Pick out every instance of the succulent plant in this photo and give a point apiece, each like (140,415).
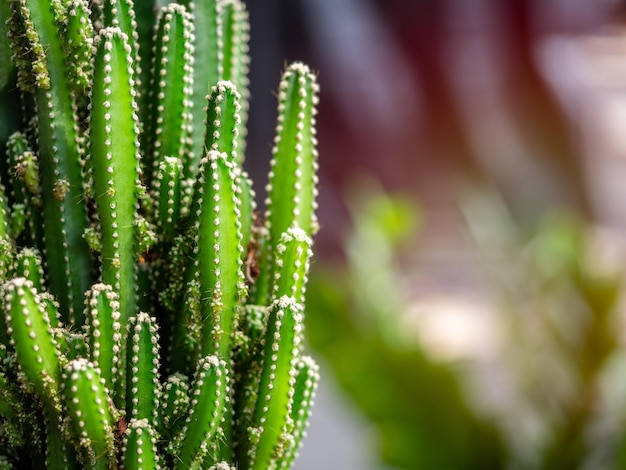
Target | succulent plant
(150,317)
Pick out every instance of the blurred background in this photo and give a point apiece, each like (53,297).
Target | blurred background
(466,300)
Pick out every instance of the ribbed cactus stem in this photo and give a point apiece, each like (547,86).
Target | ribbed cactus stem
(71,345)
(65,215)
(207,72)
(27,168)
(235,59)
(16,145)
(218,242)
(292,187)
(292,264)
(172,85)
(307,378)
(58,452)
(174,403)
(140,446)
(103,332)
(6,259)
(91,412)
(121,14)
(272,415)
(114,161)
(78,44)
(31,336)
(28,264)
(25,181)
(168,193)
(208,397)
(142,396)
(222,118)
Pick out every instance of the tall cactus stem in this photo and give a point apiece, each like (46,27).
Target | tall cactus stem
(207,71)
(307,378)
(292,187)
(209,396)
(218,243)
(103,332)
(222,118)
(272,415)
(114,159)
(142,394)
(172,85)
(65,215)
(140,446)
(91,413)
(235,59)
(31,336)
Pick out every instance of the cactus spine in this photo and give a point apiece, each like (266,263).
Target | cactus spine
(149,320)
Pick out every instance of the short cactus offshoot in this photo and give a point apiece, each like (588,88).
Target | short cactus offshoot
(149,320)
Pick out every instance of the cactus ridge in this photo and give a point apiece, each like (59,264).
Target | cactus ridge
(151,318)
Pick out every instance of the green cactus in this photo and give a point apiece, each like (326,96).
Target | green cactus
(149,319)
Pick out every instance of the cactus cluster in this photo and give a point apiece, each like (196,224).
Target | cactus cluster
(151,318)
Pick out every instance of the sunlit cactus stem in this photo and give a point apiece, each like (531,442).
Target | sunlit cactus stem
(235,58)
(207,71)
(292,188)
(273,411)
(114,161)
(219,266)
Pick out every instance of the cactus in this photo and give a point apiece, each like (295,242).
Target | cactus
(150,319)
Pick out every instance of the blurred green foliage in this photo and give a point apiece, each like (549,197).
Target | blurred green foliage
(423,419)
(554,292)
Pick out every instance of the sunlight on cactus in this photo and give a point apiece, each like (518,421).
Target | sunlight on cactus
(151,319)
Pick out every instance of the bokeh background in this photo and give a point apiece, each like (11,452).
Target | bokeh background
(466,301)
